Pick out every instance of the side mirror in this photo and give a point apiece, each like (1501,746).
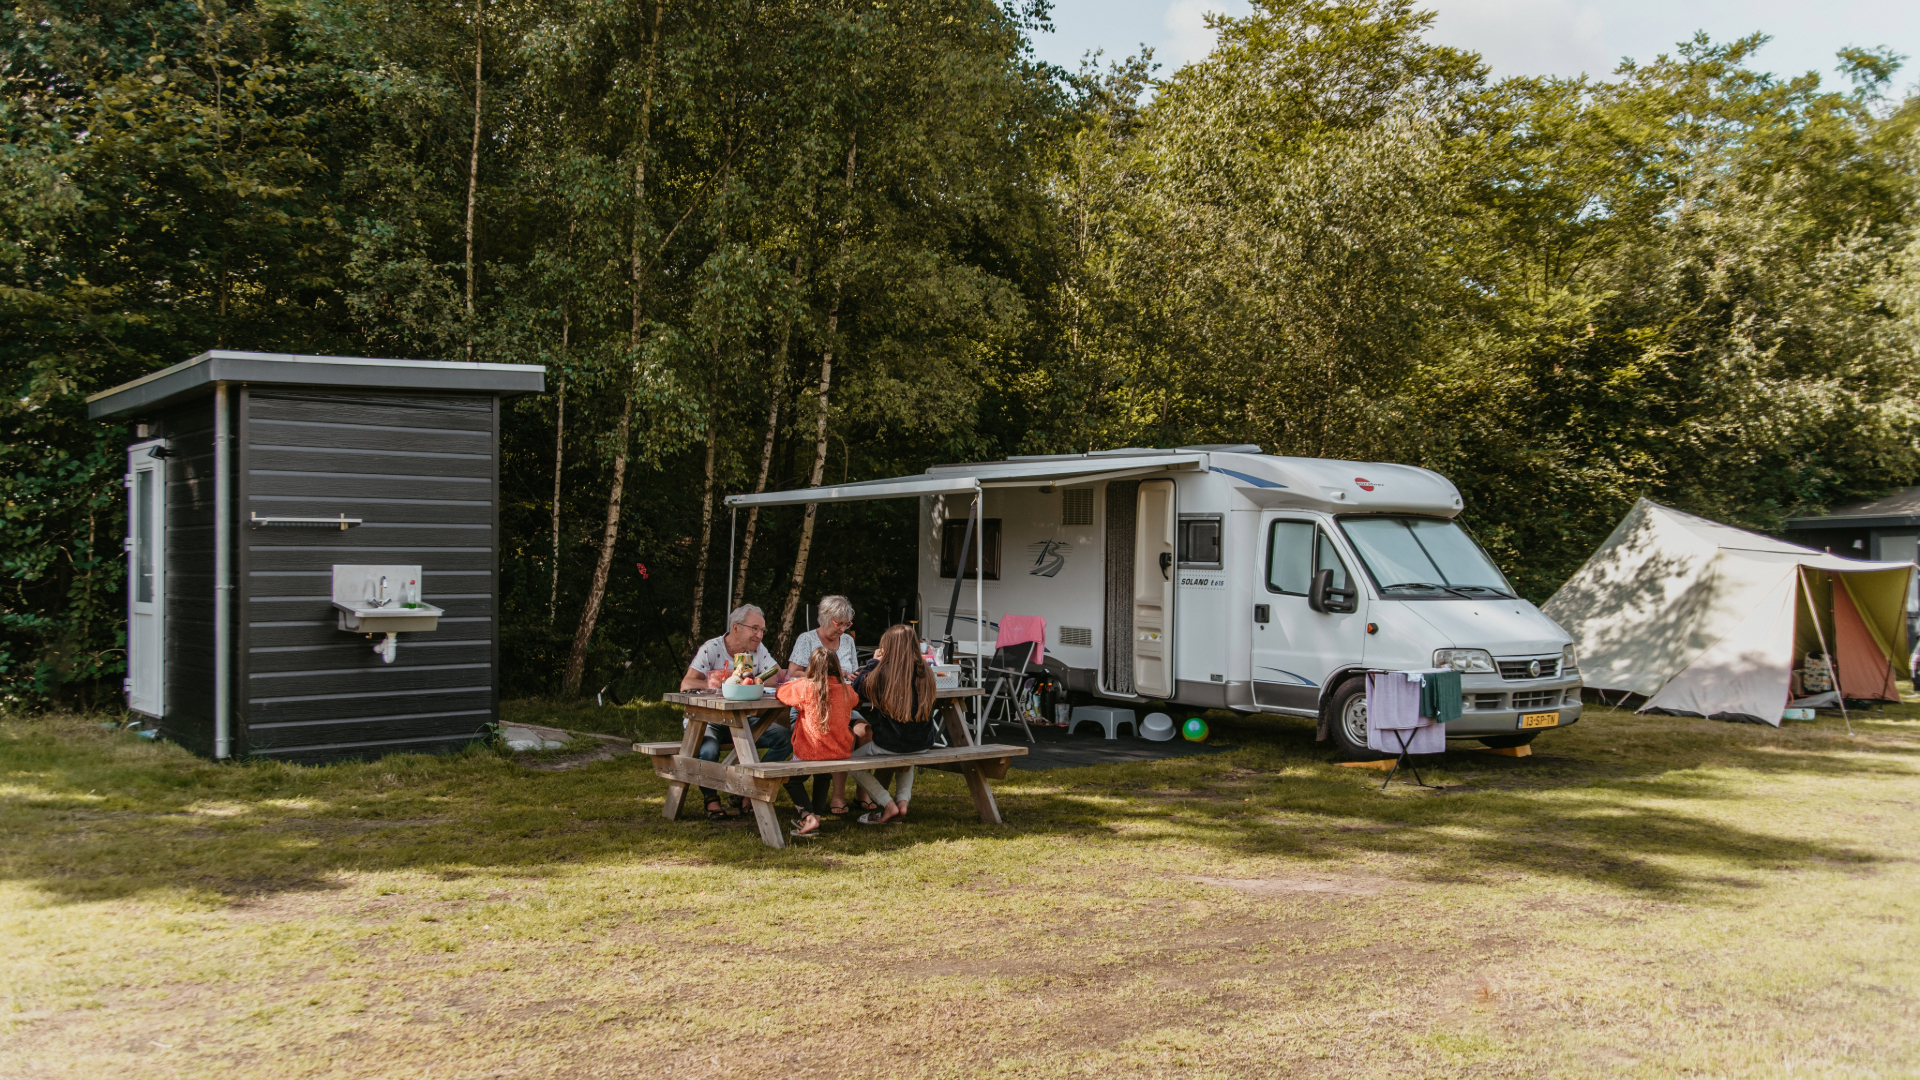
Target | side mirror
(1324,598)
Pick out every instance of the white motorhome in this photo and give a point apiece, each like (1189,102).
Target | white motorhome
(1221,577)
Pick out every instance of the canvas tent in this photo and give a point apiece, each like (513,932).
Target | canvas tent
(1708,620)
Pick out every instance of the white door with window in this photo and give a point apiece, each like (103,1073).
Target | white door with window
(1295,647)
(146,580)
(1153,590)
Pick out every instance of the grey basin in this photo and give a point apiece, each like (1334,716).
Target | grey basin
(392,619)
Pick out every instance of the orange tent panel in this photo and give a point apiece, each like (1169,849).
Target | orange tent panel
(1866,672)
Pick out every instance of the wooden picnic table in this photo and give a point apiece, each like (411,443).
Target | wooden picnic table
(743,773)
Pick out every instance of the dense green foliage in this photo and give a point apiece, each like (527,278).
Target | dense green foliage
(717,221)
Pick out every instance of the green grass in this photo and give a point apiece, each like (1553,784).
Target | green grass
(1647,896)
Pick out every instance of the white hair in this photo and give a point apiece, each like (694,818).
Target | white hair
(740,613)
(835,609)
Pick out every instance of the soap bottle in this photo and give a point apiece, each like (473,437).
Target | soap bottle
(413,593)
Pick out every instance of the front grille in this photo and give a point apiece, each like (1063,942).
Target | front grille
(1536,699)
(1520,669)
(1483,702)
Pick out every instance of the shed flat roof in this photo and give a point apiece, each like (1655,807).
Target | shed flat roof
(288,369)
(1900,508)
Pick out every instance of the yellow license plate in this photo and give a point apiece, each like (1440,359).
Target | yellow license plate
(1539,719)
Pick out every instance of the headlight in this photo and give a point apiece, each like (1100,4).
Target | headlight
(1568,661)
(1463,659)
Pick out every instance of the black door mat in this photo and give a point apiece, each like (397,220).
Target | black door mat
(1055,749)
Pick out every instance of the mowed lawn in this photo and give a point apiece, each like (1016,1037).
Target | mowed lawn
(1644,897)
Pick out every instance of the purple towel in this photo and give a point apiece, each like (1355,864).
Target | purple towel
(1393,714)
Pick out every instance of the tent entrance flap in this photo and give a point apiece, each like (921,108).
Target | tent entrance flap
(1862,661)
(1865,671)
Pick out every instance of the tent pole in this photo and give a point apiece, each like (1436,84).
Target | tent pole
(1833,665)
(732,532)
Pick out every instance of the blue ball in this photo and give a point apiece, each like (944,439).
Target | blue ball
(1195,730)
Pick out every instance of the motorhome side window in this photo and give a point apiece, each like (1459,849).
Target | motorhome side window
(1295,550)
(953,535)
(1200,541)
(1290,557)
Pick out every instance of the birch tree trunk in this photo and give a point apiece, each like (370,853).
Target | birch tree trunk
(820,427)
(473,164)
(706,509)
(623,432)
(766,456)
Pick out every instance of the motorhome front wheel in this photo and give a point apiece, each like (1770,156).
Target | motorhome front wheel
(1349,726)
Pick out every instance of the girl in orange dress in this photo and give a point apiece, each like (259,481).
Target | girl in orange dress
(822,733)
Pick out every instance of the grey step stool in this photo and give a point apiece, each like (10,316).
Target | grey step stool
(1107,717)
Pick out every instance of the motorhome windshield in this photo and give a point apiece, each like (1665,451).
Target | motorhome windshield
(1423,557)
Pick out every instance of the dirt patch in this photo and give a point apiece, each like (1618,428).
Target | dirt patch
(1295,885)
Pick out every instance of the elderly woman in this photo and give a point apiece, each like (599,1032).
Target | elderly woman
(746,629)
(836,636)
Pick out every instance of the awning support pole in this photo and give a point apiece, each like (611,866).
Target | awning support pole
(733,530)
(959,576)
(1833,662)
(979,591)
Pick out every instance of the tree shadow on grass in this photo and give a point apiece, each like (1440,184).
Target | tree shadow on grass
(88,817)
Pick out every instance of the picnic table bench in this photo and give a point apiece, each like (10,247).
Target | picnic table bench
(742,773)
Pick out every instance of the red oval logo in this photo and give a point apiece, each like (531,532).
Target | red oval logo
(1364,483)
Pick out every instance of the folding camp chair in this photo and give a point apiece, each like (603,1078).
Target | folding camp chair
(1008,674)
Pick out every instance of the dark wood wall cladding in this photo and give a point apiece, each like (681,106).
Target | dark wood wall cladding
(188,430)
(421,472)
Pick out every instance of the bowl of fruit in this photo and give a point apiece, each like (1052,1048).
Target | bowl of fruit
(742,685)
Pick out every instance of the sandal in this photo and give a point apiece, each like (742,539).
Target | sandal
(715,812)
(809,834)
(838,808)
(739,806)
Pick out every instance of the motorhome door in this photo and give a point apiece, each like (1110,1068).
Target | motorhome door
(1295,647)
(146,580)
(1153,590)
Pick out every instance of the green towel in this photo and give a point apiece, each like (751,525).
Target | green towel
(1440,696)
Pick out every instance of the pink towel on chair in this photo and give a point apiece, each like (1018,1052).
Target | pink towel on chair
(1019,629)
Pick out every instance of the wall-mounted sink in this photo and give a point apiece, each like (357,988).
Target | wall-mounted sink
(373,599)
(365,618)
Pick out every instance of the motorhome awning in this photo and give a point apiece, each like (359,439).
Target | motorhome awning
(900,487)
(959,479)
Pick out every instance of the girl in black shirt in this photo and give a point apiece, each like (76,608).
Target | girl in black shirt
(896,699)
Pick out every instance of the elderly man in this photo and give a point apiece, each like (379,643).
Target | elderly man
(746,628)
